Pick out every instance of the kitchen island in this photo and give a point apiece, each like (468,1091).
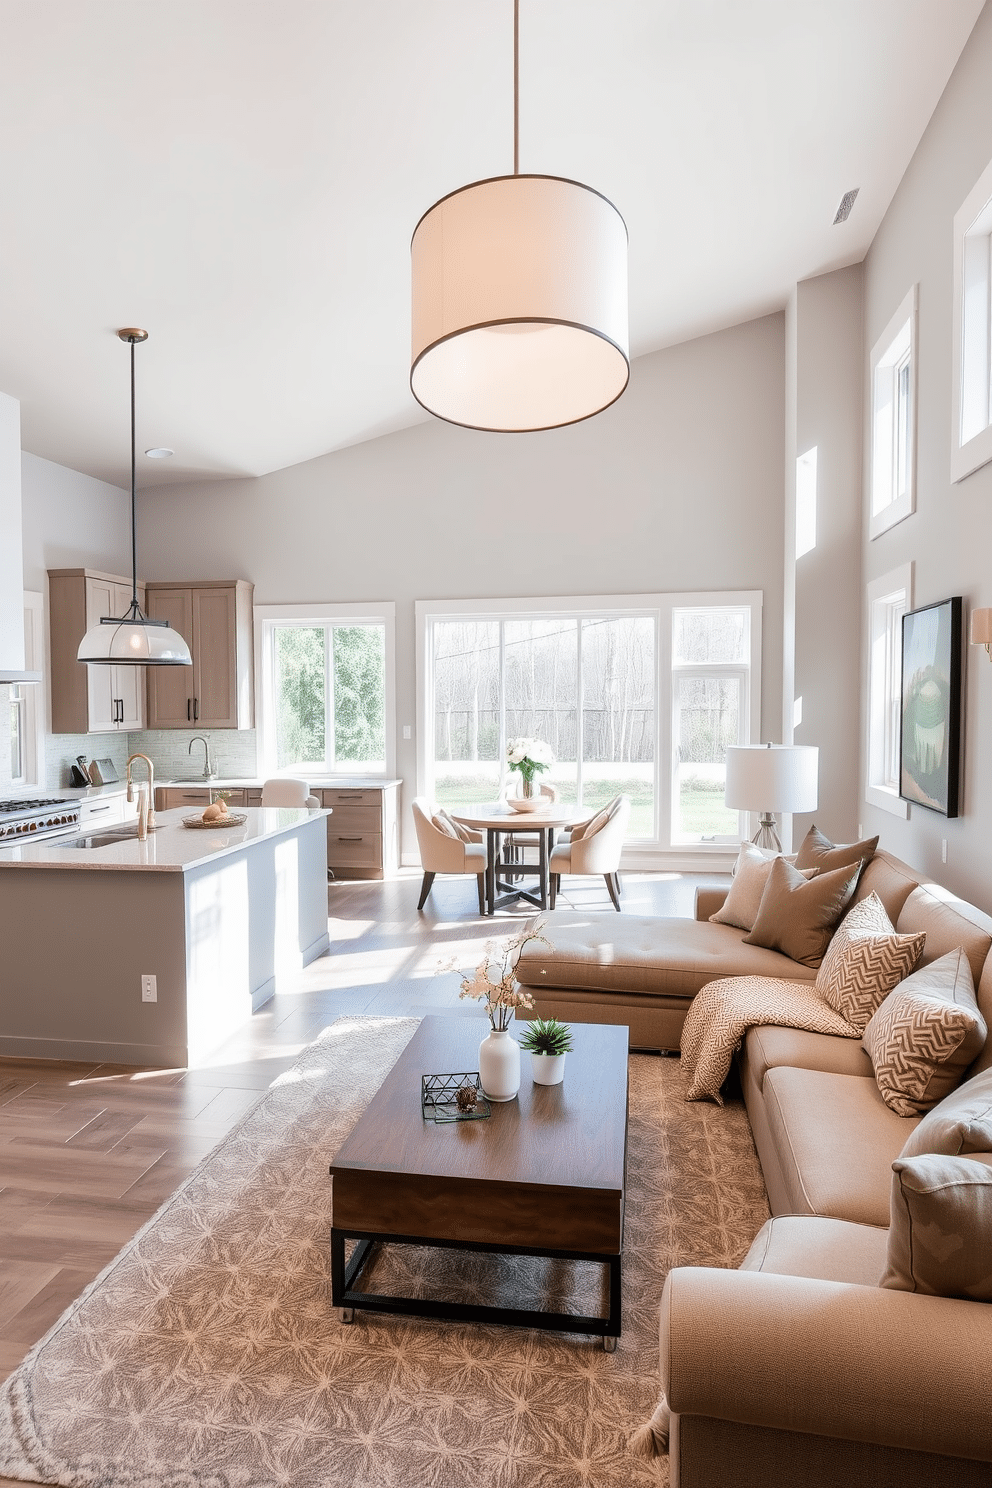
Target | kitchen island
(220,918)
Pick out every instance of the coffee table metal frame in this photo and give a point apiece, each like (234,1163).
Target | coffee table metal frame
(346,1295)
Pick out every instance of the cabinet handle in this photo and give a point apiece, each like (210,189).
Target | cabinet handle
(95,810)
(189,710)
(196,709)
(350,839)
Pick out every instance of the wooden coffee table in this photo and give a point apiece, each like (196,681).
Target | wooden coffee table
(544,1175)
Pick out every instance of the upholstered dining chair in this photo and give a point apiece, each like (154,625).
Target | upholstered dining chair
(594,847)
(283,790)
(443,850)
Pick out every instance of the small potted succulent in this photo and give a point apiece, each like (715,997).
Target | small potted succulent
(547,1041)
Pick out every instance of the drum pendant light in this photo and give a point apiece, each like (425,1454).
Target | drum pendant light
(519,299)
(133,640)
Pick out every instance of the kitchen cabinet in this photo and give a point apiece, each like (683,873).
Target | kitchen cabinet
(363,830)
(215,621)
(195,797)
(90,699)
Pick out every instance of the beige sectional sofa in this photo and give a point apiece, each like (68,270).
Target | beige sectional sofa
(799,1367)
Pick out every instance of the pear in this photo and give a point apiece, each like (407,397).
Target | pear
(213,813)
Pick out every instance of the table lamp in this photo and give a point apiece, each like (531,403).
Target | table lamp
(771,777)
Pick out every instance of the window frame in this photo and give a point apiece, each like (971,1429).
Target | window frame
(661,608)
(888,598)
(972,328)
(267,618)
(886,364)
(27,698)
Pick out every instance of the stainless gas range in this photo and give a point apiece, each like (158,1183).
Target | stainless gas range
(22,819)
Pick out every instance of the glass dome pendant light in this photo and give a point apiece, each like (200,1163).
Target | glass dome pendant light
(133,640)
(519,299)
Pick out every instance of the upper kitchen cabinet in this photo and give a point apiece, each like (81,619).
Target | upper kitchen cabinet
(90,699)
(217,691)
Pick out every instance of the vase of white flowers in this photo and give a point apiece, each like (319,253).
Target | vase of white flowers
(494,983)
(531,757)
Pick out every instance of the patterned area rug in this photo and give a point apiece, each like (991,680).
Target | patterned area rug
(207,1354)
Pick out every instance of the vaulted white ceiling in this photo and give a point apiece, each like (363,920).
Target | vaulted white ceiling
(242,177)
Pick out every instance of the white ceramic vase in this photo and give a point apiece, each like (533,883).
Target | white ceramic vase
(547,1069)
(499,1065)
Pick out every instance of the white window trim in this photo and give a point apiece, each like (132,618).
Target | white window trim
(903,506)
(880,595)
(266,617)
(972,221)
(605,606)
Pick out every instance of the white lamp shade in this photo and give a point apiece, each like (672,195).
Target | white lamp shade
(772,777)
(133,643)
(519,304)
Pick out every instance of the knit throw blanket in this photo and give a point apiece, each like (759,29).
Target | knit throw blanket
(724,1010)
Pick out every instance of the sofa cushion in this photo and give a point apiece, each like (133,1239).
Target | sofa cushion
(768,1047)
(648,955)
(959,1124)
(865,960)
(751,874)
(821,1248)
(925,1035)
(949,922)
(891,880)
(797,915)
(817,851)
(836,1140)
(941,1224)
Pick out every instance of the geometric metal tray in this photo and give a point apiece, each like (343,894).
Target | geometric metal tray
(439,1097)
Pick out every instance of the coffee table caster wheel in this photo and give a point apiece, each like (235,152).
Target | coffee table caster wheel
(347,1314)
(609,1344)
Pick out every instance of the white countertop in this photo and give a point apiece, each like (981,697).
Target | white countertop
(172,848)
(255,782)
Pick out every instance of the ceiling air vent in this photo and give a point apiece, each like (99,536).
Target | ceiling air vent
(846,203)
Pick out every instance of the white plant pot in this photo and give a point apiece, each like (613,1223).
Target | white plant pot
(499,1066)
(547,1069)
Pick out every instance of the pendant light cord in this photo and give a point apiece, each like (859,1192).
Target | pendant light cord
(134,541)
(516,87)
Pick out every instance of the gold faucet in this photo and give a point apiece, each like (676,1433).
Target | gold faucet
(151,787)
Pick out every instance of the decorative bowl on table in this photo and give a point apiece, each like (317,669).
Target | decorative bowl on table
(230,819)
(528,803)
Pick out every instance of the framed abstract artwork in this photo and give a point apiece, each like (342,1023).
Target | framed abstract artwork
(930,738)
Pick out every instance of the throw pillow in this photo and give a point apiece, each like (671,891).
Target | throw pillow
(751,873)
(817,851)
(925,1034)
(797,915)
(961,1123)
(592,827)
(865,960)
(444,824)
(941,1220)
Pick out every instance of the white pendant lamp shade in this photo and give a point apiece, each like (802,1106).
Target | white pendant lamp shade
(519,304)
(131,642)
(133,639)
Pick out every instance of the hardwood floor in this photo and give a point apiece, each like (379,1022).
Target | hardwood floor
(89,1152)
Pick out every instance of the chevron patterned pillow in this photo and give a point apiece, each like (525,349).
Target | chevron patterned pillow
(925,1035)
(865,959)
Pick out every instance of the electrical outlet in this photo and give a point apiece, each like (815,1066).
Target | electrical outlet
(149,989)
(407,731)
(943,849)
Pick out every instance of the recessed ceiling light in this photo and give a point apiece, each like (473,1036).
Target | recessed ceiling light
(846,203)
(159,454)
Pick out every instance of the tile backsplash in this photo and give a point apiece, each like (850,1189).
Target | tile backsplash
(232,751)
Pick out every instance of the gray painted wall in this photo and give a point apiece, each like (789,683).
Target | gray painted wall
(676,487)
(949,537)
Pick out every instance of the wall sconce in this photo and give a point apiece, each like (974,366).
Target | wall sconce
(981,630)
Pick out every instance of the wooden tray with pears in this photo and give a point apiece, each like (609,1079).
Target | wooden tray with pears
(216,815)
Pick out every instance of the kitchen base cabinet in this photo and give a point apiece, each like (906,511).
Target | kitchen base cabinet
(363,828)
(196,797)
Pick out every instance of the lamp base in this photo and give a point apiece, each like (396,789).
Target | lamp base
(767,834)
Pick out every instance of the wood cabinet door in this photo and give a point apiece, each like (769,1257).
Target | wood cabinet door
(170,688)
(101,698)
(215,658)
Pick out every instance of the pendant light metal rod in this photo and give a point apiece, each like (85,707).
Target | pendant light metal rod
(516,87)
(134,483)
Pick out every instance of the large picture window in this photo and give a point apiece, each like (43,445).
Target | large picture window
(325,682)
(589,677)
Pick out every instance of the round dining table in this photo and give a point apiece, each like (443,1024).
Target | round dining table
(497,819)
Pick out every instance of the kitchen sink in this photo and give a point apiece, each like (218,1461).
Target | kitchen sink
(99,839)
